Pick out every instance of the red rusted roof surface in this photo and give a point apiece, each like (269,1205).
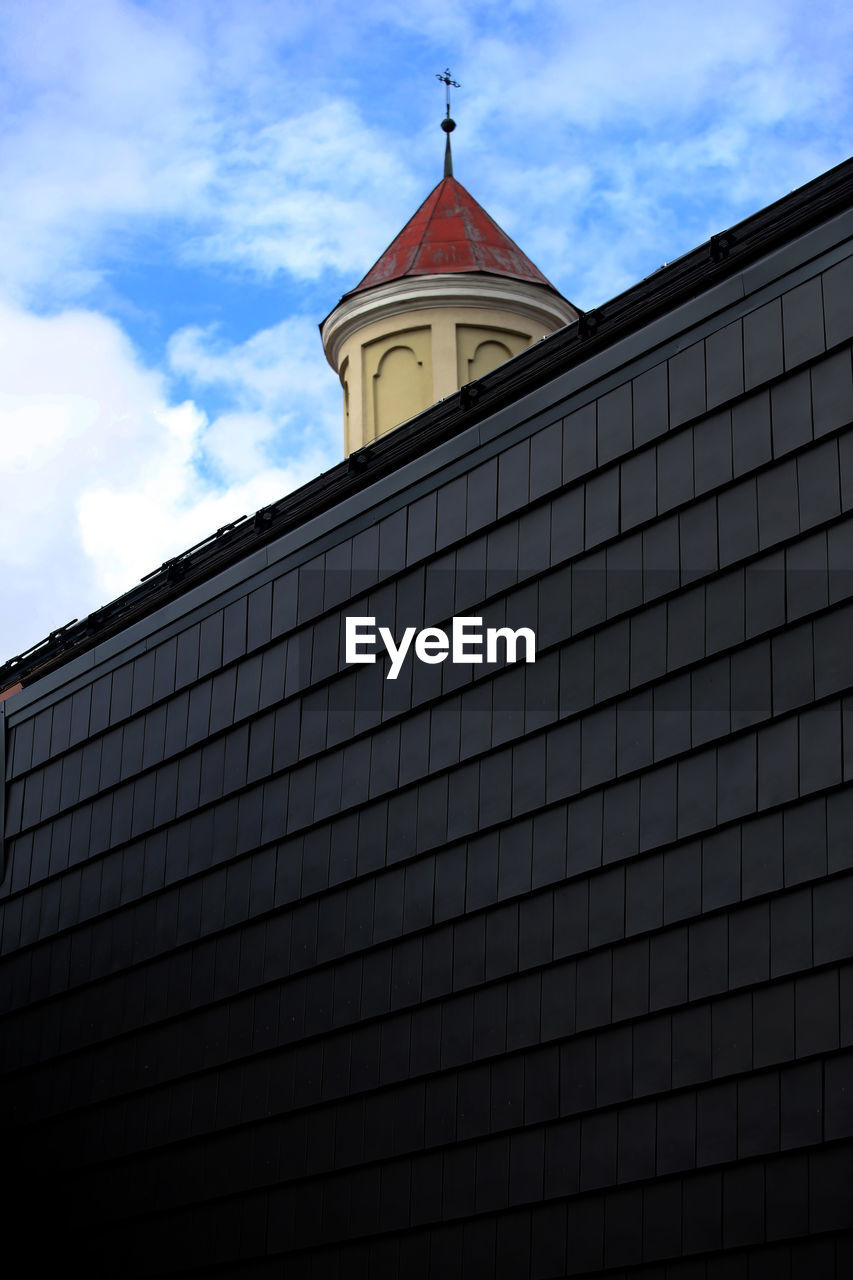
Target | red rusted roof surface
(451,232)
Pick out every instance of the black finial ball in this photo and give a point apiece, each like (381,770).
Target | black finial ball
(448,125)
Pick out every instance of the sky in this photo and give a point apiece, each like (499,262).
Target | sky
(188,189)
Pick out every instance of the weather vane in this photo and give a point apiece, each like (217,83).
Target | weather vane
(447,80)
(447,124)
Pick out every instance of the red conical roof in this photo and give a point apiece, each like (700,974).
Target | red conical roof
(451,232)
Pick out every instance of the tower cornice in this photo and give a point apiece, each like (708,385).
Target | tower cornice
(536,302)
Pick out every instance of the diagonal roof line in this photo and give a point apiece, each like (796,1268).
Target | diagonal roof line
(723,256)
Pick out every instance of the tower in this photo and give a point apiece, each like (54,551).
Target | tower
(451,298)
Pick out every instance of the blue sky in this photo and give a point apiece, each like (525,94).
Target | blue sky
(189,188)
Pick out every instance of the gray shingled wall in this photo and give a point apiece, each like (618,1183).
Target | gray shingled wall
(502,971)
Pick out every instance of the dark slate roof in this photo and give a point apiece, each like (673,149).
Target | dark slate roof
(722,256)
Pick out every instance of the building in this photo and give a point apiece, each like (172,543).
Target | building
(513,970)
(451,298)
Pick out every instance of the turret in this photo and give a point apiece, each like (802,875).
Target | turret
(451,298)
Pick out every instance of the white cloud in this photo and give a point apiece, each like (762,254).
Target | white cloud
(587,65)
(285,397)
(107,118)
(140,119)
(105,477)
(249,136)
(265,141)
(626,132)
(305,195)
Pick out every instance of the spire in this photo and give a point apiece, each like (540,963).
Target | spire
(451,298)
(451,233)
(447,124)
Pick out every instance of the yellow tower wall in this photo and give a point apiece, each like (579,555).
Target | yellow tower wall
(390,376)
(400,349)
